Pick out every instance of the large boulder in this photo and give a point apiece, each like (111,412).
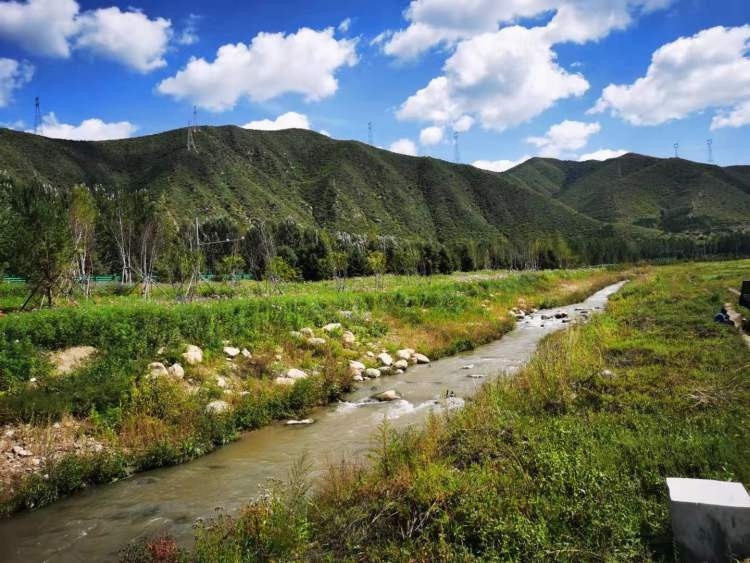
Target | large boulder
(157,369)
(359,366)
(231,351)
(401,364)
(421,359)
(390,395)
(372,373)
(193,355)
(405,354)
(177,371)
(217,407)
(385,359)
(348,338)
(332,327)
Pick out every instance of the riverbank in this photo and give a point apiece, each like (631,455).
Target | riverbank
(564,462)
(135,417)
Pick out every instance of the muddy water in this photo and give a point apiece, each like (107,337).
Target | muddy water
(94,525)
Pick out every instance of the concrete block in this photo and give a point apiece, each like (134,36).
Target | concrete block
(710,520)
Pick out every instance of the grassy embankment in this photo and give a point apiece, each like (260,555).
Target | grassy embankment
(148,423)
(565,462)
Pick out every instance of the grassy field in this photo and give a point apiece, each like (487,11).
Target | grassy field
(138,423)
(565,462)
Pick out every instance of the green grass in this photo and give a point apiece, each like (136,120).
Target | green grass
(147,424)
(565,462)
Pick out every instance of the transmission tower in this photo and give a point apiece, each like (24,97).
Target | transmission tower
(456,152)
(37,117)
(710,145)
(369,133)
(192,128)
(677,150)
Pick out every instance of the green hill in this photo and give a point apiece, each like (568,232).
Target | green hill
(315,181)
(672,195)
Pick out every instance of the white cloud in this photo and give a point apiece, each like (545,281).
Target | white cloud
(189,33)
(602,154)
(345,25)
(434,22)
(272,64)
(128,37)
(56,27)
(503,78)
(499,165)
(563,138)
(431,135)
(40,26)
(13,75)
(289,120)
(463,124)
(88,130)
(710,69)
(325,132)
(404,146)
(737,117)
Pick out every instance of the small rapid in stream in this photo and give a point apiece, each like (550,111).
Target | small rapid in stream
(95,524)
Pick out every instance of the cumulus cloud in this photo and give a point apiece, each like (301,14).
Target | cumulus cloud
(127,37)
(289,120)
(56,27)
(709,70)
(499,73)
(463,124)
(404,146)
(13,75)
(93,129)
(431,135)
(435,22)
(564,138)
(272,64)
(602,154)
(737,117)
(499,165)
(345,25)
(503,78)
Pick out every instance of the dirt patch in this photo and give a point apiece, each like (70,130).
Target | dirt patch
(70,359)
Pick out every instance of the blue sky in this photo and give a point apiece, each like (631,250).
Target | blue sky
(516,78)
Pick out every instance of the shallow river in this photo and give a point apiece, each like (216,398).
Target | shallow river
(95,524)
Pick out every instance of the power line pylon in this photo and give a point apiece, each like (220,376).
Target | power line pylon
(456,152)
(37,117)
(192,128)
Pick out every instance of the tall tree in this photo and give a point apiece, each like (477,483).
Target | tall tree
(83,214)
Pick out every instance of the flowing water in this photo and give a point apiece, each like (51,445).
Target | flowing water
(95,524)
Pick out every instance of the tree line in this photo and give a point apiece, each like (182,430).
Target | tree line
(58,238)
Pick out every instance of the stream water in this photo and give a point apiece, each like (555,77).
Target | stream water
(95,524)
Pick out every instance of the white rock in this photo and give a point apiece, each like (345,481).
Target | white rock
(296,334)
(348,338)
(217,407)
(400,372)
(298,422)
(607,373)
(372,373)
(358,378)
(476,375)
(370,354)
(330,327)
(221,381)
(295,373)
(316,341)
(357,365)
(193,355)
(231,351)
(470,366)
(157,369)
(390,395)
(404,354)
(308,332)
(421,359)
(284,381)
(176,370)
(385,370)
(385,359)
(401,364)
(246,353)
